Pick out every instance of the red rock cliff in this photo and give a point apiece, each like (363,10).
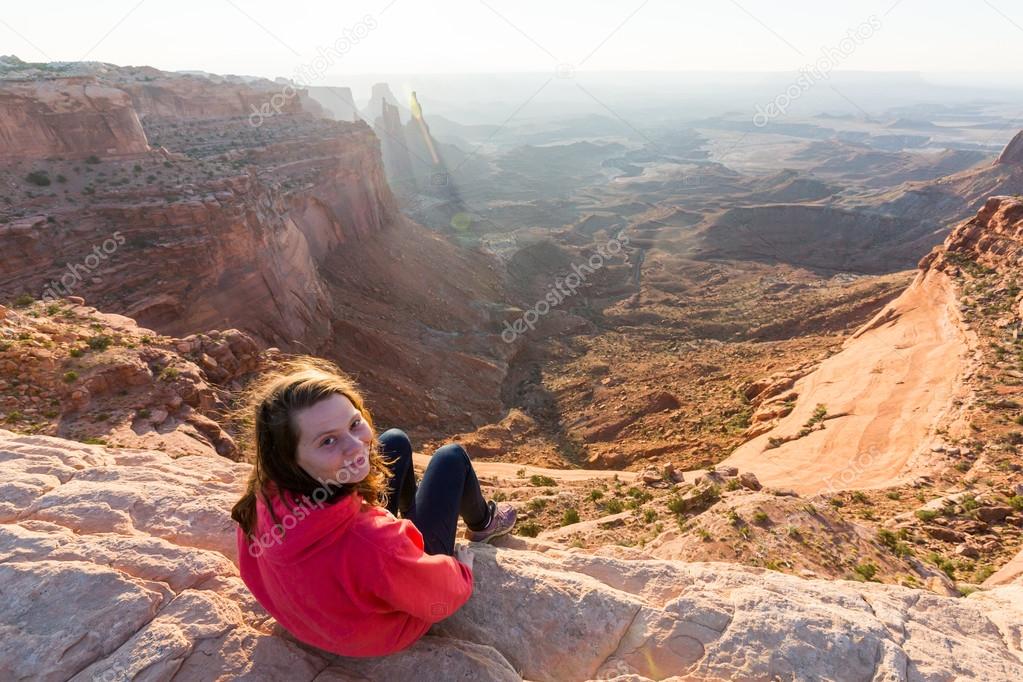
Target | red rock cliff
(72,117)
(287,230)
(994,239)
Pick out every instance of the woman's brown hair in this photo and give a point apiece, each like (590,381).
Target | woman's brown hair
(266,416)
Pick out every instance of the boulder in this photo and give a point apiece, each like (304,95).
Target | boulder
(944,534)
(993,514)
(748,479)
(968,551)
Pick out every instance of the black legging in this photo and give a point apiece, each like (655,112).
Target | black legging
(449,489)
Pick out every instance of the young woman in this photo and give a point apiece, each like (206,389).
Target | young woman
(319,544)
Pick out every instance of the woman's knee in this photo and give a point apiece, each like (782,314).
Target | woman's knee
(395,443)
(451,454)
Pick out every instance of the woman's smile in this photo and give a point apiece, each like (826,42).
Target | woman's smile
(334,441)
(357,462)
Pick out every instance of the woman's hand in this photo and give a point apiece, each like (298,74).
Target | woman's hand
(464,555)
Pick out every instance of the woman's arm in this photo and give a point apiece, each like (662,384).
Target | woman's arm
(428,586)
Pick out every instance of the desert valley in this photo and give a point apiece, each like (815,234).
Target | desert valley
(755,391)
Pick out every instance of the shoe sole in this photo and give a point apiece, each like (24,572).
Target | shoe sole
(496,535)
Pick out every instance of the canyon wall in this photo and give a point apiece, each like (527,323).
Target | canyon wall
(74,117)
(283,226)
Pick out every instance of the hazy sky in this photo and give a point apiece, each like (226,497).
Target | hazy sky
(275,38)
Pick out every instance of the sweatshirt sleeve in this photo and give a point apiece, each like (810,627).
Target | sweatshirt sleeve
(430,587)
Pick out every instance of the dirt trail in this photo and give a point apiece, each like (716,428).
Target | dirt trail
(485,469)
(885,393)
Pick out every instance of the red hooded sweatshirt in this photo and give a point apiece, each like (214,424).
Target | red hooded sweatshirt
(348,577)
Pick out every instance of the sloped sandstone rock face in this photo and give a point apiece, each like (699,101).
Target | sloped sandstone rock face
(1013,152)
(119,563)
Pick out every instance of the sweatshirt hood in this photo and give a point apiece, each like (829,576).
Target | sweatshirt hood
(303,527)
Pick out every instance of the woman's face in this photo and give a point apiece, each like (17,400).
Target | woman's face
(333,441)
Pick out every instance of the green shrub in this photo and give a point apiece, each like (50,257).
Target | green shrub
(983,573)
(528,529)
(71,376)
(571,516)
(100,342)
(640,495)
(944,564)
(596,494)
(38,178)
(614,506)
(893,542)
(24,300)
(537,504)
(866,570)
(819,413)
(926,515)
(540,480)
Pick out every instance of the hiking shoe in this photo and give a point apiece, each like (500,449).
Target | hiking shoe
(502,519)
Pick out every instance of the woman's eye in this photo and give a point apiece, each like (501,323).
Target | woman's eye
(356,422)
(329,440)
